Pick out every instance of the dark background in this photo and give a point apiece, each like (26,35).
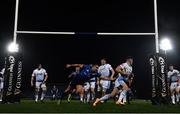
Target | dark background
(54,51)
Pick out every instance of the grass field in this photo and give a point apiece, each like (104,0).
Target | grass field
(75,106)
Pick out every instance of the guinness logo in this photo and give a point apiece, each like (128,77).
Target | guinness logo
(11,59)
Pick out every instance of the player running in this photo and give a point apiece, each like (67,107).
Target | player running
(174,79)
(105,70)
(71,88)
(89,90)
(40,76)
(87,72)
(124,72)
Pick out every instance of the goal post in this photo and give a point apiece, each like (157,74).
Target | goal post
(159,86)
(16,32)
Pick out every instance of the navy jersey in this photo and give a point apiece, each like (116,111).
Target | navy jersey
(93,76)
(85,75)
(85,70)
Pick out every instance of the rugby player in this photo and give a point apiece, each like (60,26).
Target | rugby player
(89,88)
(54,92)
(174,80)
(40,76)
(87,72)
(70,88)
(105,70)
(124,72)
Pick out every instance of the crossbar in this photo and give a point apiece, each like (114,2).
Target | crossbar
(85,33)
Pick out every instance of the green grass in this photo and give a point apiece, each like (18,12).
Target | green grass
(51,106)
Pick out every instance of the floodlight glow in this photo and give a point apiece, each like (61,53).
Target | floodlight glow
(13,47)
(165,44)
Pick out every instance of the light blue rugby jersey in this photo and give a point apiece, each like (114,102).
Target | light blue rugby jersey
(39,74)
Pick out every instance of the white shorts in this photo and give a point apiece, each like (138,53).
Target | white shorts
(119,82)
(89,85)
(173,85)
(40,85)
(105,84)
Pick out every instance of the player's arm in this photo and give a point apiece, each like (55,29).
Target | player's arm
(74,65)
(120,70)
(98,81)
(46,77)
(32,80)
(168,77)
(57,91)
(178,77)
(107,78)
(130,79)
(72,74)
(112,73)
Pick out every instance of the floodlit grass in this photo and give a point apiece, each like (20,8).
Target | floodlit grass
(52,106)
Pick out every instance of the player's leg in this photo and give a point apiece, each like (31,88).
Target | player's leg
(104,86)
(92,87)
(80,91)
(66,92)
(177,93)
(54,96)
(86,92)
(172,90)
(1,89)
(37,89)
(106,97)
(122,97)
(44,89)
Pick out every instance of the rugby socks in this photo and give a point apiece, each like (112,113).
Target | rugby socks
(122,95)
(43,95)
(125,99)
(36,96)
(92,96)
(177,97)
(1,94)
(88,96)
(98,88)
(106,97)
(173,99)
(62,96)
(69,98)
(81,98)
